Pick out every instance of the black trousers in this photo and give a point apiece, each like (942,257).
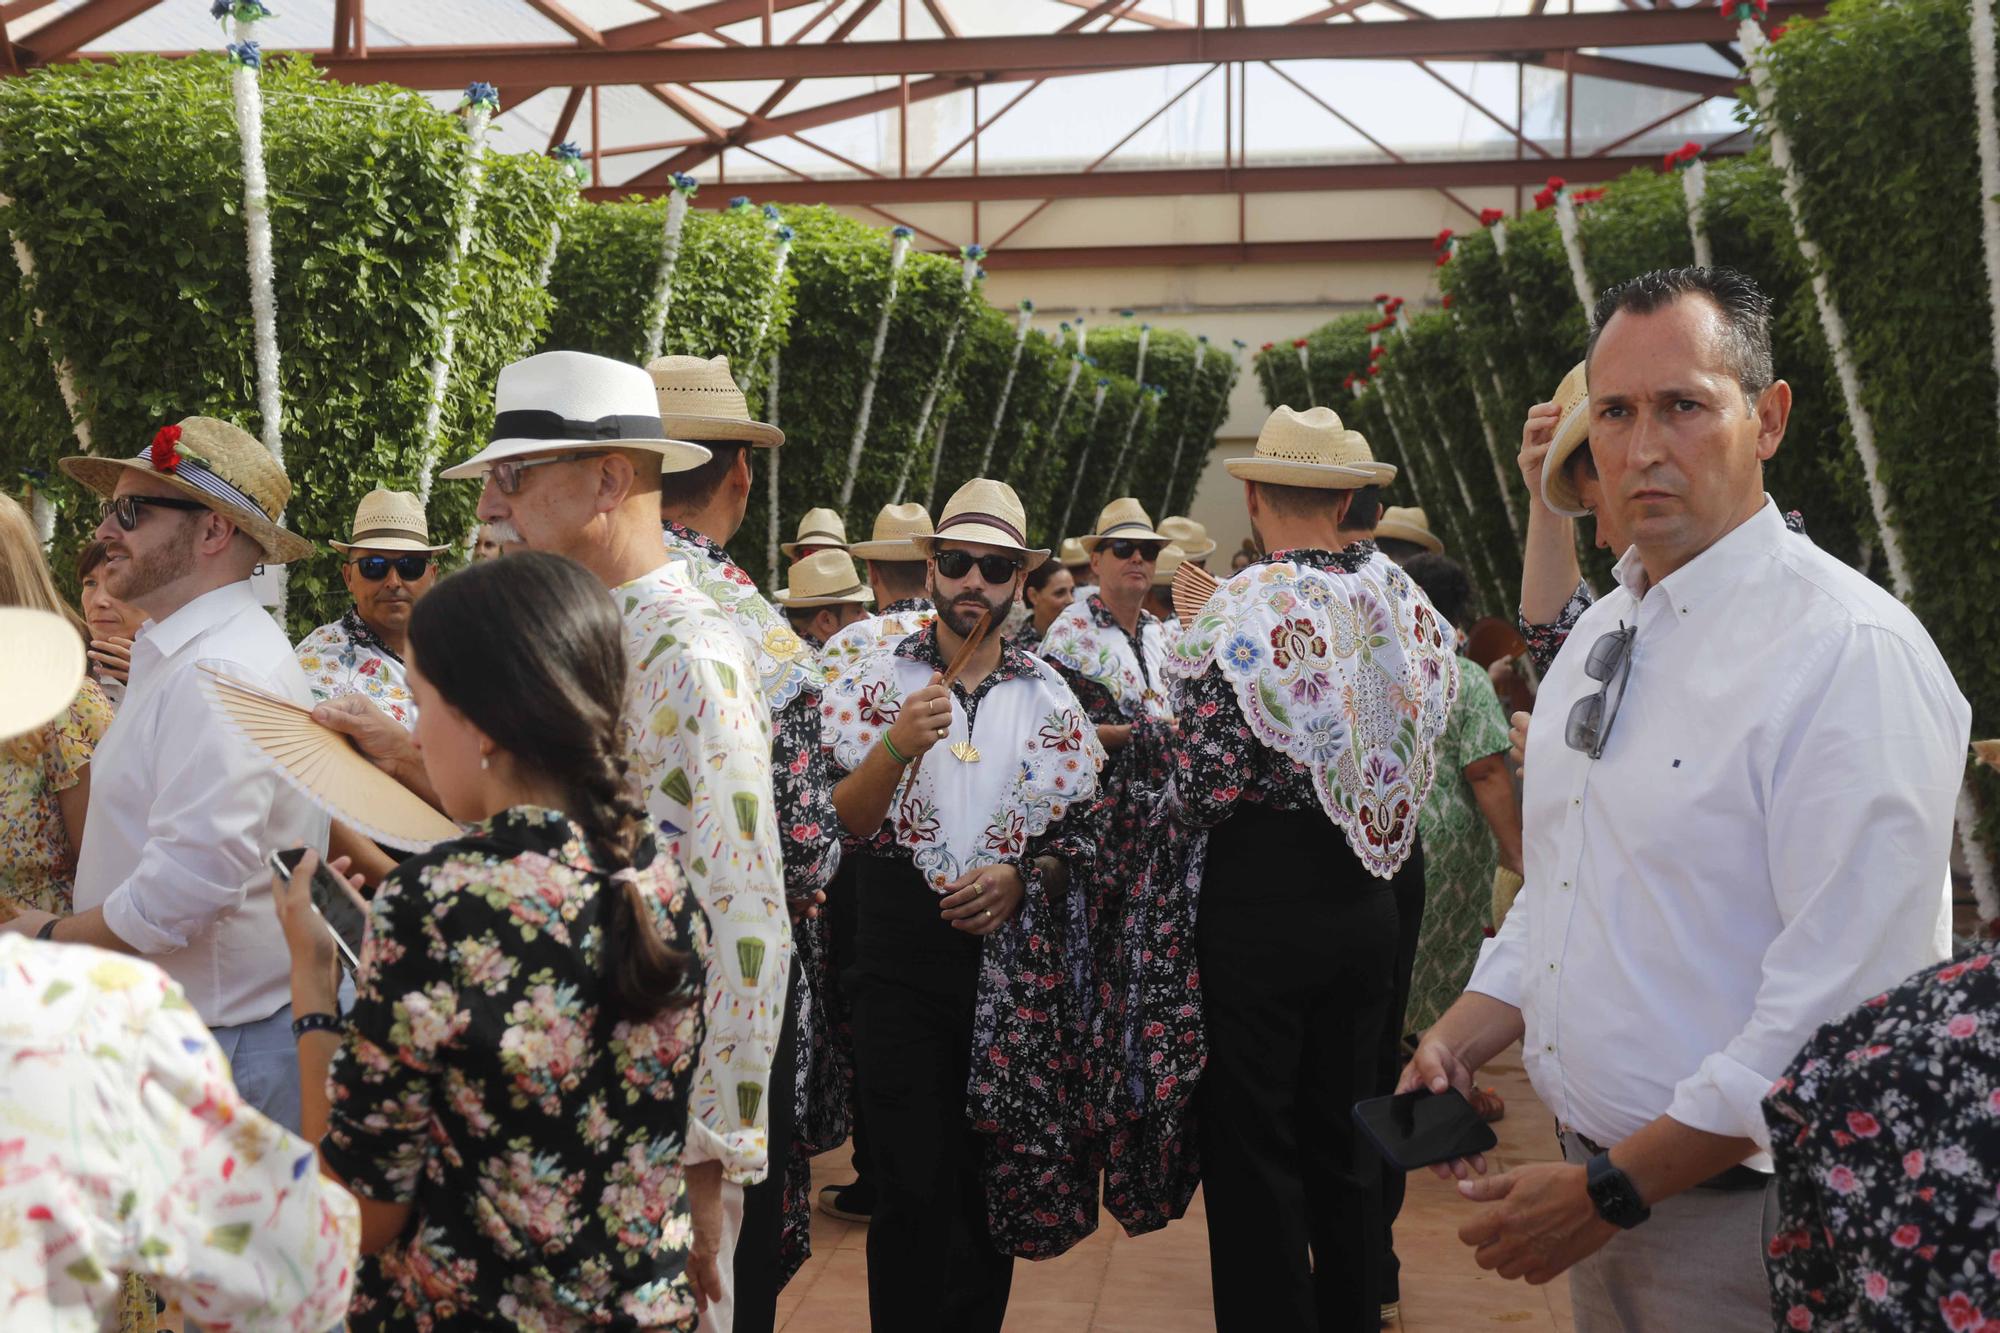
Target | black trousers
(1408,888)
(1297,946)
(841,927)
(756,1259)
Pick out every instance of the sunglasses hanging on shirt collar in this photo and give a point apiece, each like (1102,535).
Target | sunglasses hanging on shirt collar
(1590,718)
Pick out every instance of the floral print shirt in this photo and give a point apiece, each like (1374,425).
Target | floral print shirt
(875,634)
(347,657)
(125,1148)
(699,738)
(37,867)
(485,1079)
(1886,1135)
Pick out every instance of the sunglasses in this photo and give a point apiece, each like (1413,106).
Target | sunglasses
(1590,717)
(1122,549)
(375,568)
(995,569)
(126,508)
(506,474)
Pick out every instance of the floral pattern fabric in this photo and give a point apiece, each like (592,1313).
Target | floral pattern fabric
(347,657)
(1339,663)
(485,1080)
(125,1148)
(699,737)
(1085,640)
(783,661)
(37,867)
(1886,1135)
(874,634)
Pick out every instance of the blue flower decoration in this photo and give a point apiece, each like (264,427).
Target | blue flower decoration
(1238,344)
(981,275)
(480,94)
(247,10)
(1201,338)
(1127,314)
(903,232)
(740,201)
(1028,306)
(771,212)
(1242,652)
(1102,384)
(974,251)
(786,234)
(571,157)
(246,54)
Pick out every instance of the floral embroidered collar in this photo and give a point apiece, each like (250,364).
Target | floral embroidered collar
(783,660)
(906,606)
(361,636)
(923,647)
(1348,560)
(701,541)
(1087,639)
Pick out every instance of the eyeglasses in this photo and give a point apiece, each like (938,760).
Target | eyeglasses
(1122,549)
(375,568)
(1590,717)
(506,474)
(126,508)
(995,569)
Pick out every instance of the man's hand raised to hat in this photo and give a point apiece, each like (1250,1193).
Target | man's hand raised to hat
(1538,432)
(925,719)
(380,738)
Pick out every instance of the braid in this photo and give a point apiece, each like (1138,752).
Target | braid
(641,973)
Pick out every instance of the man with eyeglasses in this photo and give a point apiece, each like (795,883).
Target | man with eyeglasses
(1737,821)
(386,565)
(964,770)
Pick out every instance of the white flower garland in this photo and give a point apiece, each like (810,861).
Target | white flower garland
(1180,436)
(1694,188)
(24,259)
(1989,160)
(247,97)
(478,117)
(1573,248)
(899,250)
(1026,313)
(1208,439)
(937,459)
(781,259)
(1083,459)
(670,258)
(542,272)
(1062,400)
(1132,422)
(968,266)
(1493,446)
(1305,369)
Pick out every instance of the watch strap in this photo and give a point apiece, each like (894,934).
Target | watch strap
(305,1023)
(1613,1194)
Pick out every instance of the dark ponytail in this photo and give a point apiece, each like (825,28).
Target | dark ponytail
(531,650)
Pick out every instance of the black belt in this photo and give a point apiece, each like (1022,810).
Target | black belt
(1738,1179)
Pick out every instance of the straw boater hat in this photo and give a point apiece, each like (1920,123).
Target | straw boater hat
(1311,449)
(824,578)
(1409,525)
(222,466)
(896,529)
(1124,518)
(41,670)
(820,527)
(1190,536)
(699,400)
(389,521)
(987,512)
(1171,559)
(1572,399)
(1073,554)
(560,402)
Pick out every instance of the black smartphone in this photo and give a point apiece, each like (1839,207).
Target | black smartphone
(1413,1129)
(344,919)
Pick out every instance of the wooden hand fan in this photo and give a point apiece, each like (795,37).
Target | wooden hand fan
(326,769)
(1988,752)
(952,672)
(1192,587)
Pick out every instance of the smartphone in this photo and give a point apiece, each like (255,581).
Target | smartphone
(334,905)
(1413,1129)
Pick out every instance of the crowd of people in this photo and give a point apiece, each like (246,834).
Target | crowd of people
(1059,879)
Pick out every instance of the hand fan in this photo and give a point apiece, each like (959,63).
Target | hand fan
(1192,586)
(952,672)
(1988,752)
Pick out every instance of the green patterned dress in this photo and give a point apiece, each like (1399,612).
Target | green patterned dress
(1460,854)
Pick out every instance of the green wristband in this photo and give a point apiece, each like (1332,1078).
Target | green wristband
(894,753)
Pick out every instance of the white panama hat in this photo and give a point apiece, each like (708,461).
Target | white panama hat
(562,401)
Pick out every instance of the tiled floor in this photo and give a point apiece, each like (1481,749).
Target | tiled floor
(1159,1283)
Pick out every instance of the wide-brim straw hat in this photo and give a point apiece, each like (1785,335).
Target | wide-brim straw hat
(1572,399)
(1311,449)
(563,402)
(224,467)
(896,529)
(389,521)
(699,400)
(824,578)
(820,527)
(1172,557)
(1073,555)
(1191,536)
(987,512)
(41,670)
(1123,519)
(1409,525)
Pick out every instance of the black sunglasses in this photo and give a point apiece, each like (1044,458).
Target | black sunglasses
(995,569)
(1124,549)
(126,508)
(375,568)
(1590,717)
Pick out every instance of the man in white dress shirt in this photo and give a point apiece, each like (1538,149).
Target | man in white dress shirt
(1756,846)
(182,809)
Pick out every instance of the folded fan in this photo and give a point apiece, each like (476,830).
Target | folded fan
(324,768)
(1192,587)
(1988,752)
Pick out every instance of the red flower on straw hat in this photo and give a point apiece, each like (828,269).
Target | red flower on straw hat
(165,457)
(1489,216)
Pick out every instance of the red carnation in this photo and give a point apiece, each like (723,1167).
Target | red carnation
(1447,300)
(1267,347)
(1544,199)
(1395,304)
(1373,370)
(1380,297)
(1443,239)
(164,456)
(1298,342)
(1588,196)
(1489,216)
(1444,257)
(1555,184)
(1348,384)
(1779,31)
(1374,353)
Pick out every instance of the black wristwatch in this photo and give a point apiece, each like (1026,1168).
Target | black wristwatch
(1617,1199)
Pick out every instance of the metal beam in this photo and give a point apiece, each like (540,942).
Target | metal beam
(66,34)
(1640,72)
(1367,251)
(568,22)
(1416,174)
(1501,39)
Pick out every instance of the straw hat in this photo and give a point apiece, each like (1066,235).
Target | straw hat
(563,401)
(987,512)
(389,521)
(824,578)
(1171,558)
(1190,536)
(1124,518)
(699,400)
(1073,555)
(895,528)
(222,466)
(1572,397)
(820,527)
(41,670)
(1409,525)
(1311,449)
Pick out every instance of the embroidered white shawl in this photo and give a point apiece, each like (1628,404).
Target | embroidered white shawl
(868,636)
(1103,654)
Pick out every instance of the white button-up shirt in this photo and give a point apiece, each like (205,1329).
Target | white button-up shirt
(183,811)
(1762,845)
